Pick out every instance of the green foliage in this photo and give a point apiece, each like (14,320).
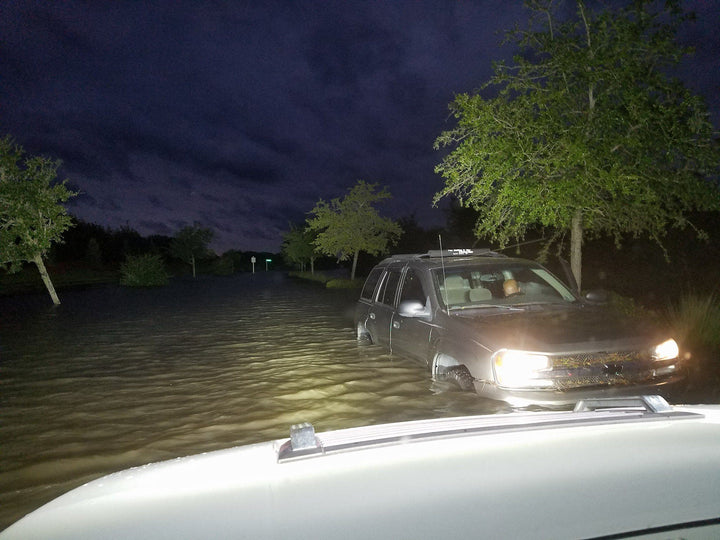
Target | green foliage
(32,217)
(238,260)
(143,271)
(298,246)
(586,133)
(416,239)
(626,306)
(350,225)
(224,266)
(330,283)
(27,279)
(93,255)
(190,244)
(310,276)
(344,283)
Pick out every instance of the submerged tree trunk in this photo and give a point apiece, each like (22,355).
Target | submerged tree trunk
(576,240)
(354,265)
(46,278)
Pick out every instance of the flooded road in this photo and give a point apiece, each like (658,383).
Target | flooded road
(117,377)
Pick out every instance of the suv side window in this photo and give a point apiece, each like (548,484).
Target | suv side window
(370,283)
(387,295)
(412,288)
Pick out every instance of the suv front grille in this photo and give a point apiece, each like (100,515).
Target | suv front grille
(602,369)
(600,358)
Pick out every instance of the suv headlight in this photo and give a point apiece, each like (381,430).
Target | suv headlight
(667,350)
(520,369)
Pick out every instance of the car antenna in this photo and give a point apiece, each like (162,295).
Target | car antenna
(444,288)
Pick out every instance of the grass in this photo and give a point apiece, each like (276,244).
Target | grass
(695,320)
(344,283)
(629,307)
(329,282)
(317,276)
(28,279)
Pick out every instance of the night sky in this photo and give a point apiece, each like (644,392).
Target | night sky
(241,115)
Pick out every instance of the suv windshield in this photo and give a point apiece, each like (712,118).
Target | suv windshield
(501,284)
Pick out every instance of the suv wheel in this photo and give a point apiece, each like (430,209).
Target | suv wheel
(461,376)
(363,336)
(446,368)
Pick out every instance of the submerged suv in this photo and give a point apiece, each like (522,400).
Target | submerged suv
(509,329)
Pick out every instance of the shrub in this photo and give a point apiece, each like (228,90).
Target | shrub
(344,284)
(223,266)
(317,276)
(143,271)
(629,307)
(695,320)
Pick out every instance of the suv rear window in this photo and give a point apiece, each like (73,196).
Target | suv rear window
(370,283)
(387,296)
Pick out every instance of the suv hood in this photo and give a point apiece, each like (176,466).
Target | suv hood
(573,329)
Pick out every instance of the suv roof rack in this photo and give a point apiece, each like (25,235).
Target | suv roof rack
(449,253)
(304,442)
(483,252)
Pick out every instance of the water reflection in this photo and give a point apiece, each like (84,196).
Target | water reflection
(116,377)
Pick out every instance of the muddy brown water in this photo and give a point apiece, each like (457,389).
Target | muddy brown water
(117,377)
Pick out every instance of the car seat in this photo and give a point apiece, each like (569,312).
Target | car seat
(456,290)
(479,295)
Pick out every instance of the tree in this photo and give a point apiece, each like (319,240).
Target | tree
(586,133)
(32,217)
(191,243)
(298,247)
(93,254)
(415,239)
(351,225)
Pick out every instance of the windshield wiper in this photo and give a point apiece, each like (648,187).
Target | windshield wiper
(474,306)
(542,303)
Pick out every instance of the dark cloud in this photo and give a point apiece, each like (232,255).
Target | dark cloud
(241,115)
(157,227)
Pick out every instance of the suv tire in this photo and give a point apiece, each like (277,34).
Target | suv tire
(461,376)
(363,336)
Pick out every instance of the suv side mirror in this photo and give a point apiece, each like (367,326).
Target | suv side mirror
(597,296)
(414,309)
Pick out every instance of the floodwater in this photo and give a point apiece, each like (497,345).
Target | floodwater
(117,377)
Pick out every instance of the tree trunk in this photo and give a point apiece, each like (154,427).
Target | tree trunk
(354,265)
(192,261)
(312,266)
(576,240)
(46,278)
